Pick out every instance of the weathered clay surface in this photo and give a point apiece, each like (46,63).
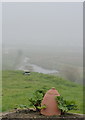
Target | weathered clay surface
(50,102)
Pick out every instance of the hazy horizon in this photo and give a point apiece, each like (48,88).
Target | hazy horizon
(50,34)
(43,24)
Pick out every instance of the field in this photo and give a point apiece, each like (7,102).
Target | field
(17,88)
(68,63)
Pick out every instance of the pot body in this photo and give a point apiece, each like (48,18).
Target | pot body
(50,102)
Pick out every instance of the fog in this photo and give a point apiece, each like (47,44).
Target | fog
(49,34)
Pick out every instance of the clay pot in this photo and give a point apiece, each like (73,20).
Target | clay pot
(50,102)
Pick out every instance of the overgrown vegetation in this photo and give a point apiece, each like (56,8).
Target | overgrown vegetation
(35,100)
(18,88)
(65,105)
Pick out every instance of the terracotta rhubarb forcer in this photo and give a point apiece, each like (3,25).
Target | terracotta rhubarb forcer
(50,102)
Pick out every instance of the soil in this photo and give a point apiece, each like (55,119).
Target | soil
(30,114)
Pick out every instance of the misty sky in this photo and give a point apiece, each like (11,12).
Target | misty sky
(43,24)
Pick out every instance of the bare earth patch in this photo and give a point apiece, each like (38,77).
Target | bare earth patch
(30,114)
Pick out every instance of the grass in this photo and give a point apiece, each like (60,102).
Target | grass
(17,88)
